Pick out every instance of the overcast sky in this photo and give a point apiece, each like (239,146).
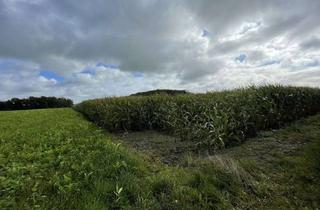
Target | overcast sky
(87,49)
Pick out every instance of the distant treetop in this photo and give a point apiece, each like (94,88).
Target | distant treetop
(160,91)
(35,103)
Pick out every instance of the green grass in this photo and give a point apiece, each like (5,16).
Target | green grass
(285,164)
(55,159)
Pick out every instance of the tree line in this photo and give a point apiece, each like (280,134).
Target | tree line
(160,91)
(35,103)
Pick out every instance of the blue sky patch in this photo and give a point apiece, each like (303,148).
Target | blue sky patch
(205,33)
(7,64)
(89,70)
(108,65)
(51,75)
(271,62)
(137,74)
(241,58)
(313,63)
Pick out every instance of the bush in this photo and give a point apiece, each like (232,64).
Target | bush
(212,120)
(35,103)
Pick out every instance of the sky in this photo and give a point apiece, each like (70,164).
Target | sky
(83,49)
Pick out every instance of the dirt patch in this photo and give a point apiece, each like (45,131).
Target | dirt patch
(158,146)
(267,147)
(172,150)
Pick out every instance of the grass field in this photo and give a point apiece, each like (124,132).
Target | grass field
(55,159)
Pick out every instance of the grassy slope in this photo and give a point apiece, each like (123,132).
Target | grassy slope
(54,159)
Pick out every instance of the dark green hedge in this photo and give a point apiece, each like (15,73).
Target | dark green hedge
(35,103)
(160,91)
(212,120)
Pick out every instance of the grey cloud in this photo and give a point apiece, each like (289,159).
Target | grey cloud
(157,37)
(313,43)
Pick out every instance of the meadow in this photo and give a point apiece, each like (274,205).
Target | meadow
(57,159)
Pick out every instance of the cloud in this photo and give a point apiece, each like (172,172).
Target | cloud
(312,43)
(103,47)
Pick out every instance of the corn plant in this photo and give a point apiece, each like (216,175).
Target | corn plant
(212,120)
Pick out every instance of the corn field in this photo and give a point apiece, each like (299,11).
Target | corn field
(212,120)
